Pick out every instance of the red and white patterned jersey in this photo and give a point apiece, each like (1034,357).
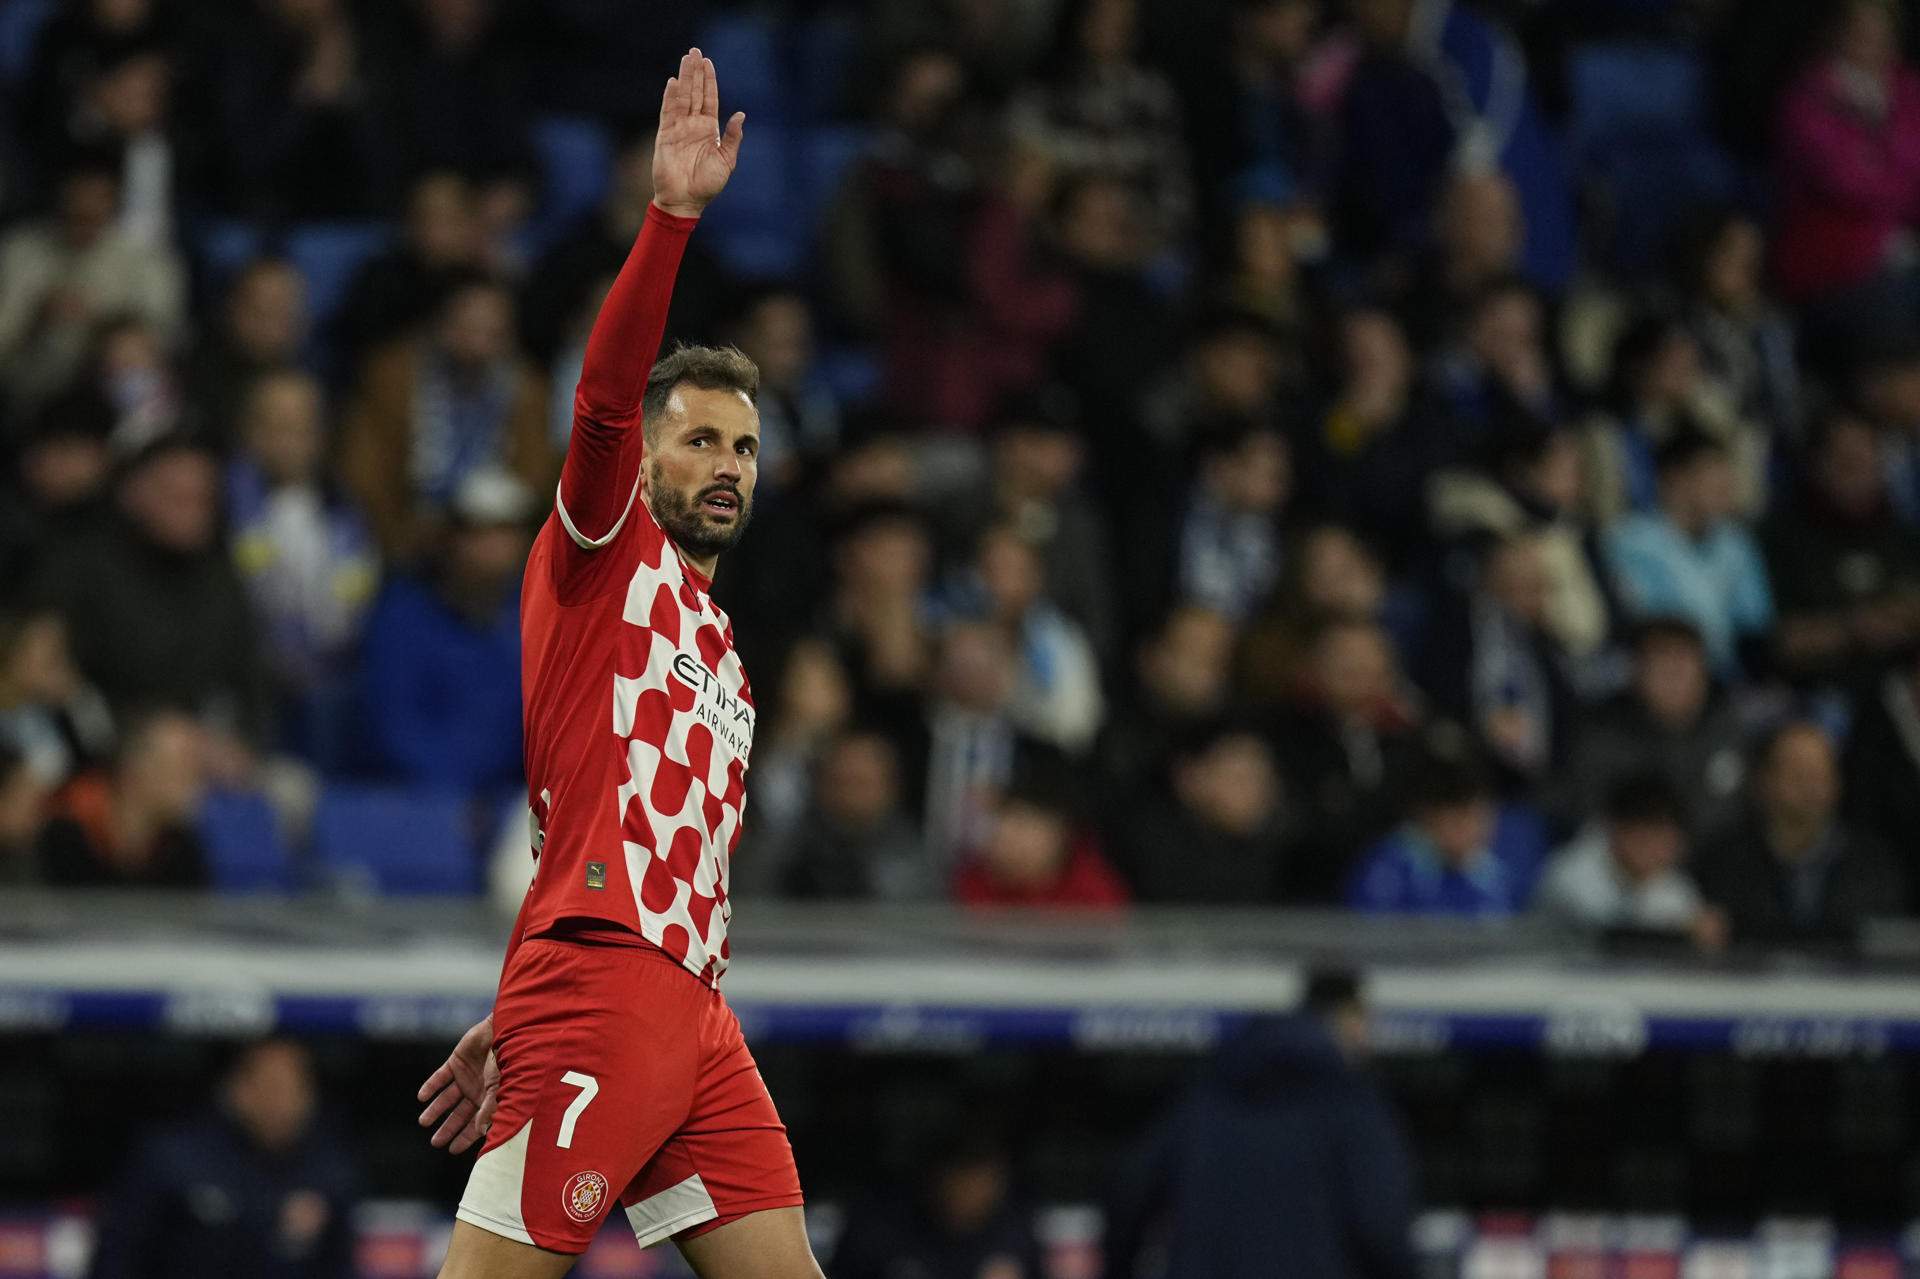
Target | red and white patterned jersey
(639,719)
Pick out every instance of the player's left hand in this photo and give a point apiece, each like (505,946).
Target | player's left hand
(461,1094)
(692,158)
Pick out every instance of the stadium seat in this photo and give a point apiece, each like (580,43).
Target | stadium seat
(748,46)
(576,164)
(396,840)
(757,230)
(241,835)
(1643,143)
(329,255)
(20,24)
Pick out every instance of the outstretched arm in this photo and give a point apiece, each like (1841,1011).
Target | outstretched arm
(692,160)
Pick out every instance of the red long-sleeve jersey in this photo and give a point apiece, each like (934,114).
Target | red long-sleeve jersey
(639,719)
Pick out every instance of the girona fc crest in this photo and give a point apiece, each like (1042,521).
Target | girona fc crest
(584,1196)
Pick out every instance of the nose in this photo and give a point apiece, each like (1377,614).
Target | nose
(727,466)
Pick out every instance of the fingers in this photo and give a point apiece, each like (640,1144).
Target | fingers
(435,1082)
(730,140)
(693,73)
(710,86)
(670,100)
(439,1106)
(453,1127)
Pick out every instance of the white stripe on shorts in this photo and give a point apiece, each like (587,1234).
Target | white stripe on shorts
(492,1201)
(671,1211)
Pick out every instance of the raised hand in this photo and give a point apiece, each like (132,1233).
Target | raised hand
(461,1094)
(692,159)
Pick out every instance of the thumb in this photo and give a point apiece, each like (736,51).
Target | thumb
(730,140)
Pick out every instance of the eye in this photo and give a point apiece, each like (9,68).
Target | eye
(744,449)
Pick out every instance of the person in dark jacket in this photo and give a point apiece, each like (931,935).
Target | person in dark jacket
(134,824)
(1283,1158)
(1217,831)
(254,1188)
(1793,872)
(964,1224)
(1883,768)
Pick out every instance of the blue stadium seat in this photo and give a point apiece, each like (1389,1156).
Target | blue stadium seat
(1630,88)
(241,835)
(329,255)
(757,230)
(746,47)
(827,152)
(20,24)
(396,840)
(576,164)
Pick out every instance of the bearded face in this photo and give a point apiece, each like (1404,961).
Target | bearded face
(702,520)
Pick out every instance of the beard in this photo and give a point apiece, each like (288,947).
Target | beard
(690,527)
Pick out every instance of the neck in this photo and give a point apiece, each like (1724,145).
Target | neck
(703,564)
(1793,835)
(133,831)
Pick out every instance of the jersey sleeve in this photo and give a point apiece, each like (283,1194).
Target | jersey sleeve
(600,481)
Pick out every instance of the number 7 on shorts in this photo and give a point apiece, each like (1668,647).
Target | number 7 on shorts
(589,1089)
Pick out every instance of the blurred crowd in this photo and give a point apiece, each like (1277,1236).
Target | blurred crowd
(1386,453)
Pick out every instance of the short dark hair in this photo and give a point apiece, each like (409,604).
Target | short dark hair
(1446,775)
(1330,990)
(1685,447)
(1669,628)
(711,368)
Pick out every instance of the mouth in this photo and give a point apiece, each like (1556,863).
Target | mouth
(722,505)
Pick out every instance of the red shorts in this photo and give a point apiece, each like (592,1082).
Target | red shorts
(623,1078)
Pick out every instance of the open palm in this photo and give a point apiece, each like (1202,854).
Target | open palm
(692,159)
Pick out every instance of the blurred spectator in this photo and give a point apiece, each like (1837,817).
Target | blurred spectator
(1531,484)
(1116,343)
(1344,742)
(459,101)
(1480,242)
(1182,676)
(1793,871)
(878,612)
(961,1222)
(125,109)
(305,553)
(1660,390)
(1883,768)
(255,1186)
(442,244)
(810,705)
(432,410)
(1369,456)
(799,416)
(1626,872)
(1845,571)
(134,825)
(78,41)
(967,748)
(298,113)
(1099,112)
(1037,854)
(1216,830)
(1459,853)
(62,275)
(1229,547)
(564,289)
(1494,663)
(1330,576)
(441,671)
(1258,118)
(1671,719)
(1848,163)
(23,797)
(1499,360)
(1033,484)
(127,385)
(856,841)
(1885,384)
(1397,133)
(1056,697)
(1284,1157)
(1746,341)
(1231,366)
(64,465)
(263,327)
(155,610)
(896,236)
(48,714)
(1691,558)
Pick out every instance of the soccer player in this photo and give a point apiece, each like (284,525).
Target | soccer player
(611,1071)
